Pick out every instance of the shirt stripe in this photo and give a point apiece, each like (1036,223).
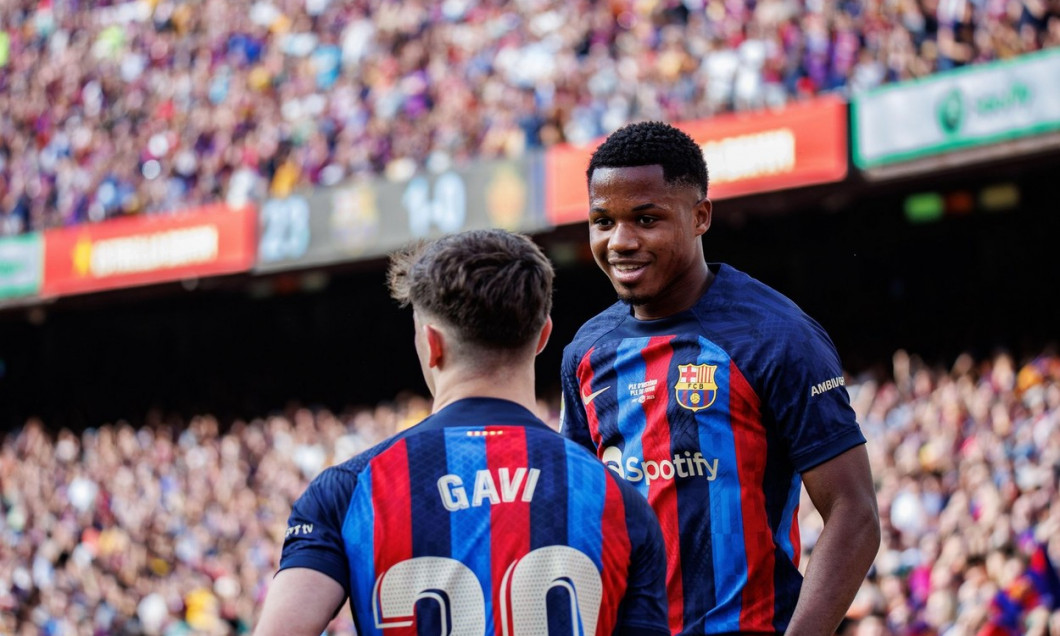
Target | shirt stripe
(727,548)
(751,452)
(506,451)
(470,528)
(631,422)
(430,519)
(698,463)
(358,534)
(616,556)
(585,485)
(393,508)
(585,501)
(794,546)
(548,521)
(662,492)
(585,380)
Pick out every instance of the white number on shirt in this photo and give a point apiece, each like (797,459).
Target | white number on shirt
(461,598)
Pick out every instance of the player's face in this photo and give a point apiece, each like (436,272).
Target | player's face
(645,235)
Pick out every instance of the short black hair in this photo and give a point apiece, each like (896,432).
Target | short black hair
(493,287)
(653,143)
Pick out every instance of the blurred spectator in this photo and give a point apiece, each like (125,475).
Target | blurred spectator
(110,108)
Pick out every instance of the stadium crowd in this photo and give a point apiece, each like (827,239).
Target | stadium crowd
(175,527)
(110,108)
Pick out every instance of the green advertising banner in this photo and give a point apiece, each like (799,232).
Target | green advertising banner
(21,265)
(965,108)
(5,48)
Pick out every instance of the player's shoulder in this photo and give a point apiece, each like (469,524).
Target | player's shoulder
(739,299)
(738,291)
(596,328)
(346,473)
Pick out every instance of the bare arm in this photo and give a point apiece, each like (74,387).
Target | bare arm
(843,492)
(300,602)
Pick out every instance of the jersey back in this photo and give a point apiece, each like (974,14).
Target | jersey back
(481,520)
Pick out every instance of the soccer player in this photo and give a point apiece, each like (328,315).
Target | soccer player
(480,519)
(717,397)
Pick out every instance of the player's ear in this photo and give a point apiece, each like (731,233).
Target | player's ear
(702,214)
(542,339)
(436,345)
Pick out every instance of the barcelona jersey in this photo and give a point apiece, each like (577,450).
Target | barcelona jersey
(482,520)
(712,414)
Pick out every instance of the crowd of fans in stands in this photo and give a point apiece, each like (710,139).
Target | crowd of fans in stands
(175,528)
(169,528)
(110,108)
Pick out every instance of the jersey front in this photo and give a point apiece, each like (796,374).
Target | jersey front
(712,414)
(482,520)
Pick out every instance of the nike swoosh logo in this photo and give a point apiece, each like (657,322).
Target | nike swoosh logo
(592,396)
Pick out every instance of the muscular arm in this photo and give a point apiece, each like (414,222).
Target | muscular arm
(842,490)
(300,602)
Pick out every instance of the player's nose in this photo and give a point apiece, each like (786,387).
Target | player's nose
(624,238)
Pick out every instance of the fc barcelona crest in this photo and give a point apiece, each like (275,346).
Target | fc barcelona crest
(695,386)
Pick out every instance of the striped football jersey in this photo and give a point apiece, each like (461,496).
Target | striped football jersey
(711,414)
(482,520)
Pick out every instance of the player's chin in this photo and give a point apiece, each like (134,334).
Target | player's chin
(631,297)
(634,292)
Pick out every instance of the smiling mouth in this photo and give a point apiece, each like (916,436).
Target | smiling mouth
(627,273)
(628,267)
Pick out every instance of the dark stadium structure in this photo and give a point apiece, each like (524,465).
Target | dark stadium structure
(980,276)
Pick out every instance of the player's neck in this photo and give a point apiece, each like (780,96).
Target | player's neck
(683,293)
(513,385)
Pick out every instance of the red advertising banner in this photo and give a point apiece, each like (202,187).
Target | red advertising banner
(747,153)
(148,249)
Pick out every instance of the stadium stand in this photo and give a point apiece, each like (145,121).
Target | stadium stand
(171,525)
(174,527)
(115,108)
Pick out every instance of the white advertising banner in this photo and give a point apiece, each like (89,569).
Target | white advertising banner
(968,107)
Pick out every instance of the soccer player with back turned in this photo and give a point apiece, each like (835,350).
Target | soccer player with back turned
(717,397)
(479,519)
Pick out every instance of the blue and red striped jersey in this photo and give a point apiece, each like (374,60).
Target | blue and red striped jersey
(482,520)
(712,414)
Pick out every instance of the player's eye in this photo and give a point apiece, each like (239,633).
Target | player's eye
(602,221)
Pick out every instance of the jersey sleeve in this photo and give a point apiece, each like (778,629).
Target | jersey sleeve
(574,423)
(644,609)
(808,397)
(314,528)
